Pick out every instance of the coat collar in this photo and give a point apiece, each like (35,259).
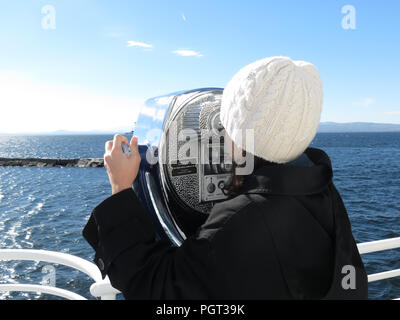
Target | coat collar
(308,174)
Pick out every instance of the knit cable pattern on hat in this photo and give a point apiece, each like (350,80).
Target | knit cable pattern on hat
(281,100)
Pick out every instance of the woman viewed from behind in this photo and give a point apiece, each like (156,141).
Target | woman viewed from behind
(283,234)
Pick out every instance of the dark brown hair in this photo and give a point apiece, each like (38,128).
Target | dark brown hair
(234,184)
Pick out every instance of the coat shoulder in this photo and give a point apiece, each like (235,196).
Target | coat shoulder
(223,212)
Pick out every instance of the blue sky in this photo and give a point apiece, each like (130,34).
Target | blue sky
(104,58)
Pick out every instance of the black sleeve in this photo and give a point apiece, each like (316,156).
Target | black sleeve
(141,267)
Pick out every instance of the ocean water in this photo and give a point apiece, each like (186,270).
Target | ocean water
(47,208)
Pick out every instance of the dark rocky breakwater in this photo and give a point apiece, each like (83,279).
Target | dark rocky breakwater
(46,162)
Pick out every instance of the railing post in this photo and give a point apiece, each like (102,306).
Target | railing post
(104,290)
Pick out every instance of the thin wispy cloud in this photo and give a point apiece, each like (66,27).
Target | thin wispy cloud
(187,53)
(392,112)
(116,32)
(131,43)
(183,16)
(366,102)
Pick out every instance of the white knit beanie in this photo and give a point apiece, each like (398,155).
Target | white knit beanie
(281,100)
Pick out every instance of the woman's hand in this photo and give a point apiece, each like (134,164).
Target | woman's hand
(122,168)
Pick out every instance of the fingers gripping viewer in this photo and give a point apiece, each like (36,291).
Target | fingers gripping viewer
(122,167)
(283,234)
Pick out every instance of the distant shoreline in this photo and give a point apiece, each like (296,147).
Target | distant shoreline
(47,162)
(112,134)
(324,127)
(358,127)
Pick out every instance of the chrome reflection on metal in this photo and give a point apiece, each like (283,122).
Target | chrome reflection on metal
(173,232)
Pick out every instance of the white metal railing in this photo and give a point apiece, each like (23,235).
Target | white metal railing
(42,289)
(103,289)
(100,288)
(379,245)
(376,246)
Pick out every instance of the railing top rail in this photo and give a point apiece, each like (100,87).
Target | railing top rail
(378,245)
(75,262)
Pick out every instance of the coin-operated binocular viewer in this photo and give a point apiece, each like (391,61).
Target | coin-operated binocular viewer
(184,165)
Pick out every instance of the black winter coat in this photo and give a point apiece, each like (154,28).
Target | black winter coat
(286,236)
